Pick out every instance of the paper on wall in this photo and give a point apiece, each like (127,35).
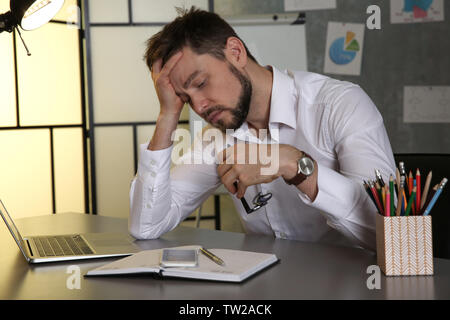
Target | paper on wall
(303,5)
(343,52)
(426,104)
(415,11)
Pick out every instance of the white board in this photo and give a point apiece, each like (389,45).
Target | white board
(426,104)
(282,46)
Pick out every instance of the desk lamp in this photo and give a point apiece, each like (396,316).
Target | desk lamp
(29,14)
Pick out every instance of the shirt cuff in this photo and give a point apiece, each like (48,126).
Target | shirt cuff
(154,165)
(337,195)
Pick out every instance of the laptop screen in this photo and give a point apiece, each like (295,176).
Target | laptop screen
(10,224)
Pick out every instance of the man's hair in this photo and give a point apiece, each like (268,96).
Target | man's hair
(202,31)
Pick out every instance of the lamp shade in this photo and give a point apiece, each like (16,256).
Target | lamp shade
(31,14)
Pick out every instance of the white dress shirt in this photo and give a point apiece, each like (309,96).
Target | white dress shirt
(333,121)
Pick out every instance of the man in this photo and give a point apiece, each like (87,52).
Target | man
(331,126)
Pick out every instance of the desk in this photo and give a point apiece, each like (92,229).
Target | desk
(306,270)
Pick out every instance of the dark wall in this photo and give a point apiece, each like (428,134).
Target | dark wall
(398,55)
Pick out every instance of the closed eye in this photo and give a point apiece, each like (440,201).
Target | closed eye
(202,84)
(185,98)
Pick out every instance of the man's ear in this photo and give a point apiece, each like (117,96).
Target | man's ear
(235,52)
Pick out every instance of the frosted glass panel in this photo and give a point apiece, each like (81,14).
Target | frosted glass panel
(69,12)
(7,81)
(25,184)
(49,79)
(114,165)
(108,11)
(144,134)
(69,172)
(122,86)
(4,5)
(162,11)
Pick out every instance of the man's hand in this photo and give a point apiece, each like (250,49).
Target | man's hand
(171,105)
(251,164)
(169,102)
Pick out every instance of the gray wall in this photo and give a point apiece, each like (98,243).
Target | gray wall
(395,56)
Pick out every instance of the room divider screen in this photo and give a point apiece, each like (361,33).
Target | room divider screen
(43,159)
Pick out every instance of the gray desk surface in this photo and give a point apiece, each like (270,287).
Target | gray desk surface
(306,270)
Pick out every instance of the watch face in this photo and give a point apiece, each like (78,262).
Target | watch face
(306,166)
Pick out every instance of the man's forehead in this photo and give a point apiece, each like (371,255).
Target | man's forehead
(186,66)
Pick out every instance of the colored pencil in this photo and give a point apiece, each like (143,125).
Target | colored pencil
(377,199)
(391,193)
(418,192)
(366,186)
(401,193)
(410,202)
(435,197)
(425,190)
(388,203)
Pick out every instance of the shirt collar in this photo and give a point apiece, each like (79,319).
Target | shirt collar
(282,103)
(282,107)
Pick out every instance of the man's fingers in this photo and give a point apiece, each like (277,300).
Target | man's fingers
(229,179)
(223,168)
(170,64)
(156,68)
(242,187)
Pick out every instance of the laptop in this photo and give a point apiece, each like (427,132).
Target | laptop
(52,248)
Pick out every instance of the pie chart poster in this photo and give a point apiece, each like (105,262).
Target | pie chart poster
(344,48)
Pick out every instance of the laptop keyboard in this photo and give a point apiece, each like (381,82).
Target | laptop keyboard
(61,246)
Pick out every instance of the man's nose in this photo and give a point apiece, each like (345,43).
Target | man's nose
(199,104)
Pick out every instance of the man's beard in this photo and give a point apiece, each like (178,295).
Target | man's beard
(240,112)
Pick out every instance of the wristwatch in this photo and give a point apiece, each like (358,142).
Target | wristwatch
(305,168)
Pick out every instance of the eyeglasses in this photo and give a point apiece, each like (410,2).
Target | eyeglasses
(259,201)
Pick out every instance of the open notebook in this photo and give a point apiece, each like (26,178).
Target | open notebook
(239,265)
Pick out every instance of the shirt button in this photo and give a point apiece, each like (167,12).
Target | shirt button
(283,235)
(152,162)
(153,174)
(149,205)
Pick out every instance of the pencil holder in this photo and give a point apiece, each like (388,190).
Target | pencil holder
(404,245)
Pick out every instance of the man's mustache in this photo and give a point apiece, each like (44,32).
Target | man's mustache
(208,112)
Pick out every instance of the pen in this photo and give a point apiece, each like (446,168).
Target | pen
(435,197)
(212,256)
